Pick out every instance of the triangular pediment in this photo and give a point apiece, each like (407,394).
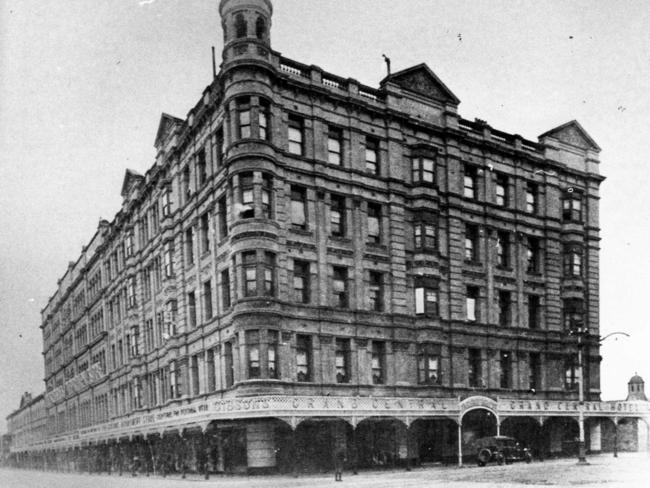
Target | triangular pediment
(166,125)
(573,134)
(131,179)
(421,80)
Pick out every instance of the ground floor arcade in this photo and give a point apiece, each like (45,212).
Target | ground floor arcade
(304,434)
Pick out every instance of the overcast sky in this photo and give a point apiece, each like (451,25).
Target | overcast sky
(83,83)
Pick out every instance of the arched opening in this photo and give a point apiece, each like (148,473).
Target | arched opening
(240,26)
(560,437)
(527,431)
(317,440)
(260,28)
(436,440)
(476,424)
(381,442)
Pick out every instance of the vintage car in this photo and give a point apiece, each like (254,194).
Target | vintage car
(500,449)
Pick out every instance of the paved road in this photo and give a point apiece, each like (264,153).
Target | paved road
(628,470)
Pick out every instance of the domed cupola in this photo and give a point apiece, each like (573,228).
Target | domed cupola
(636,388)
(246,30)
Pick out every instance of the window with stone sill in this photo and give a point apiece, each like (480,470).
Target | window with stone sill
(186,183)
(298,207)
(534,312)
(342,360)
(253,349)
(533,255)
(340,287)
(470,177)
(372,156)
(201,167)
(572,206)
(424,235)
(301,281)
(423,170)
(501,190)
(504,304)
(573,314)
(378,362)
(503,249)
(295,132)
(474,368)
(337,215)
(191,310)
(429,365)
(571,372)
(376,291)
(532,203)
(426,296)
(471,303)
(272,353)
(247,196)
(303,358)
(189,246)
(572,261)
(334,138)
(505,370)
(374,223)
(244,117)
(471,243)
(204,230)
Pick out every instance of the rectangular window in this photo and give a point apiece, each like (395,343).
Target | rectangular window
(573,313)
(342,360)
(222,216)
(186,178)
(571,372)
(207,300)
(301,281)
(212,383)
(471,303)
(503,249)
(191,309)
(205,232)
(374,223)
(340,287)
(429,365)
(572,261)
(269,274)
(264,112)
(376,291)
(534,311)
(377,362)
(229,364)
(533,255)
(531,198)
(474,370)
(337,215)
(425,236)
(298,207)
(225,289)
(572,207)
(220,147)
(334,137)
(267,196)
(372,156)
(249,261)
(303,357)
(534,371)
(426,296)
(253,348)
(505,308)
(471,243)
(505,376)
(501,190)
(244,117)
(295,135)
(131,292)
(423,170)
(129,243)
(469,182)
(189,246)
(272,354)
(169,259)
(167,202)
(201,167)
(194,371)
(247,196)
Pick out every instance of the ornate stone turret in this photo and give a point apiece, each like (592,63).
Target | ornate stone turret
(246,30)
(636,389)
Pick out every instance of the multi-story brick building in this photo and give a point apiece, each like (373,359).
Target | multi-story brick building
(312,264)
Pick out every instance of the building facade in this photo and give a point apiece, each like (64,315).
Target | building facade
(312,265)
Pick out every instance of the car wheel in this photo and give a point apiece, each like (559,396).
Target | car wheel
(484,456)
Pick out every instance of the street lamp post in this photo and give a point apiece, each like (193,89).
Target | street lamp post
(582,452)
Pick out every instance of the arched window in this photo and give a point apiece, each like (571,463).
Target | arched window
(260,28)
(240,25)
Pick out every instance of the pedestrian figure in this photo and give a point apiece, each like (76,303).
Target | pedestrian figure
(339,460)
